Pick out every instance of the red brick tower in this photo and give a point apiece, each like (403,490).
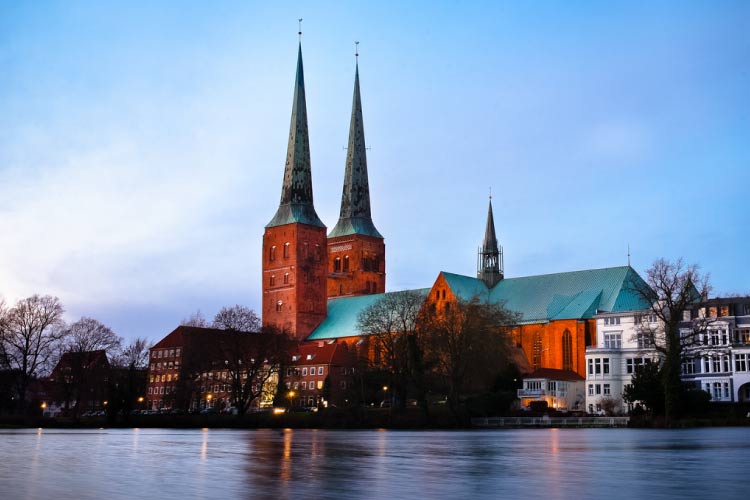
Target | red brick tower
(294,242)
(356,250)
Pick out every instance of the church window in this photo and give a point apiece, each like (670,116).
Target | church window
(337,265)
(346,263)
(443,294)
(304,250)
(537,354)
(567,350)
(318,253)
(278,306)
(286,278)
(286,250)
(272,253)
(272,280)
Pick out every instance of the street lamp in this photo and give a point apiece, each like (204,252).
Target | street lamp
(209,397)
(290,395)
(385,393)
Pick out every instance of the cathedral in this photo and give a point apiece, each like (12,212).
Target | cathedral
(315,284)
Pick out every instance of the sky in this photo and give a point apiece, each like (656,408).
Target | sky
(142,144)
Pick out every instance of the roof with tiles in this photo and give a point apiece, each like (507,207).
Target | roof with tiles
(343,316)
(320,352)
(548,297)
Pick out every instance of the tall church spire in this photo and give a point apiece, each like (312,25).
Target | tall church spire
(490,265)
(296,193)
(355,217)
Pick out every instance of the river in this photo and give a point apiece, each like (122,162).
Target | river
(629,464)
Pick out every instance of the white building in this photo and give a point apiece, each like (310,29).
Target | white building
(620,349)
(721,365)
(561,389)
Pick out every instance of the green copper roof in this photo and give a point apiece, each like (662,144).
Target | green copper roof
(296,203)
(355,216)
(573,295)
(343,316)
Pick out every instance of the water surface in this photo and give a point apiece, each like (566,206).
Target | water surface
(244,464)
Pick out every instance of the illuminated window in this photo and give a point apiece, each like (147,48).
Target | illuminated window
(286,250)
(278,306)
(286,278)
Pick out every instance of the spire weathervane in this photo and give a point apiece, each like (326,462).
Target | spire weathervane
(356,51)
(300,29)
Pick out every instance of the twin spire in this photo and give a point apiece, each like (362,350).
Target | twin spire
(297,195)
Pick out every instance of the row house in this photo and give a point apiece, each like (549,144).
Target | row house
(719,328)
(320,374)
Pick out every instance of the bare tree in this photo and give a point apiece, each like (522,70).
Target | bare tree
(31,333)
(238,318)
(252,362)
(673,289)
(469,345)
(196,319)
(391,327)
(134,355)
(85,363)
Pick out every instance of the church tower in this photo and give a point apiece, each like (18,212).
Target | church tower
(356,250)
(294,242)
(490,255)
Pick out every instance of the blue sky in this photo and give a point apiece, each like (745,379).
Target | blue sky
(142,144)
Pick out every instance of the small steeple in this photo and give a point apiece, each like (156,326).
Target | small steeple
(355,216)
(296,193)
(490,255)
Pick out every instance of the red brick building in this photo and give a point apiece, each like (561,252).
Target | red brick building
(320,374)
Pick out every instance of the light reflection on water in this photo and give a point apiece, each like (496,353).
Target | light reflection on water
(238,464)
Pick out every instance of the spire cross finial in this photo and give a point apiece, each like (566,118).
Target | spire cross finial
(628,254)
(300,29)
(356,51)
(490,193)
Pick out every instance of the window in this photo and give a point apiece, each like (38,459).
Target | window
(643,340)
(320,370)
(286,250)
(272,280)
(161,390)
(725,363)
(597,366)
(346,263)
(149,390)
(716,364)
(591,366)
(741,362)
(598,388)
(567,350)
(613,340)
(337,265)
(688,367)
(606,390)
(272,253)
(318,253)
(278,306)
(591,389)
(612,321)
(320,384)
(286,278)
(177,352)
(304,372)
(304,386)
(537,350)
(605,366)
(343,384)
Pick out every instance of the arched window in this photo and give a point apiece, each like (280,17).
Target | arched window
(318,253)
(537,362)
(567,351)
(286,278)
(286,250)
(278,306)
(346,263)
(272,253)
(337,265)
(272,280)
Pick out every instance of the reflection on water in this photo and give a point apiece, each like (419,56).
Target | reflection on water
(236,464)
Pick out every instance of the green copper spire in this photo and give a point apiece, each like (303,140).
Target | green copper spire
(490,265)
(355,217)
(296,193)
